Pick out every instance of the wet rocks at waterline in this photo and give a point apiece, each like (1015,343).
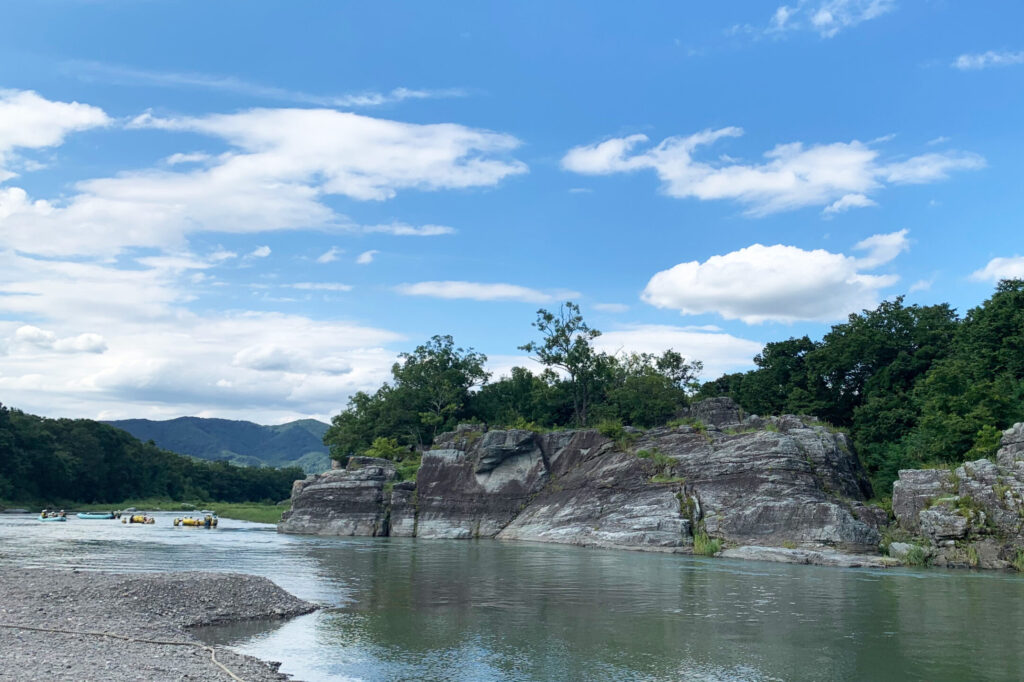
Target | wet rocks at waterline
(779,481)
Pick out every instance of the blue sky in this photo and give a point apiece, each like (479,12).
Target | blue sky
(247,209)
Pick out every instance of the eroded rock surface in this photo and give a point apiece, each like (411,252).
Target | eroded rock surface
(971,516)
(763,481)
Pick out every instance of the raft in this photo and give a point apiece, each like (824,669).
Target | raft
(87,515)
(53,518)
(189,522)
(138,518)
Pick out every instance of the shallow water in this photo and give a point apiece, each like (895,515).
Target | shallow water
(400,609)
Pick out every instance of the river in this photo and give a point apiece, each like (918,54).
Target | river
(403,609)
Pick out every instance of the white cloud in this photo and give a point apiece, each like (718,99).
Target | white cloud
(611,307)
(41,339)
(984,60)
(260,252)
(124,75)
(778,283)
(321,286)
(922,285)
(825,18)
(848,201)
(28,121)
(403,230)
(719,352)
(481,291)
(1000,268)
(191,157)
(330,255)
(283,163)
(838,176)
(160,359)
(366,257)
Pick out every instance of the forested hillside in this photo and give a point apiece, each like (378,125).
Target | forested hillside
(298,443)
(914,385)
(79,460)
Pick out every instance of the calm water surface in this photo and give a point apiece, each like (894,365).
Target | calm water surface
(398,609)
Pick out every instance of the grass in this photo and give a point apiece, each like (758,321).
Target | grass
(1018,561)
(704,545)
(917,556)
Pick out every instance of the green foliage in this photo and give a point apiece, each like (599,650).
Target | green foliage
(1018,561)
(917,556)
(972,556)
(297,443)
(387,448)
(78,460)
(704,545)
(408,468)
(429,393)
(911,384)
(611,428)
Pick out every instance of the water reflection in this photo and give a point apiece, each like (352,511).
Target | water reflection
(407,609)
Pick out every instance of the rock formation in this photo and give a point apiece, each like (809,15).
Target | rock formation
(782,481)
(970,516)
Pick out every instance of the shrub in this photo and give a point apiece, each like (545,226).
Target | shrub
(1018,561)
(917,556)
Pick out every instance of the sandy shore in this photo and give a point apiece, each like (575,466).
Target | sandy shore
(140,606)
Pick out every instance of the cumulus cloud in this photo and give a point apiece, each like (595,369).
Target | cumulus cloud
(366,257)
(719,352)
(190,157)
(778,283)
(837,176)
(984,60)
(47,340)
(145,354)
(482,291)
(281,165)
(28,121)
(922,285)
(260,252)
(1000,268)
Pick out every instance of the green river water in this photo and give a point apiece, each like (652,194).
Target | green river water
(401,609)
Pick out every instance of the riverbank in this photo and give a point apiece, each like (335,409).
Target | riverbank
(257,512)
(155,607)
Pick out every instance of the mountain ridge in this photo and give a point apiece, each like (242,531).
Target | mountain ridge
(298,443)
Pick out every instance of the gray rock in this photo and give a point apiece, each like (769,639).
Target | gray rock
(899,550)
(805,556)
(914,490)
(346,501)
(796,483)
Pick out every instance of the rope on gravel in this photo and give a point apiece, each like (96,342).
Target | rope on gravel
(213,653)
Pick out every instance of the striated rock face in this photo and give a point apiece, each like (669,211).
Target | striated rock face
(765,481)
(347,501)
(972,516)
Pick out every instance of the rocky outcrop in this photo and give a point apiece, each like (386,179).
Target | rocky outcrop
(970,516)
(349,501)
(779,481)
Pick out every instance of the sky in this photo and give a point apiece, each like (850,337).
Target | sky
(248,209)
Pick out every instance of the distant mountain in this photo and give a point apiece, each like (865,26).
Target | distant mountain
(298,443)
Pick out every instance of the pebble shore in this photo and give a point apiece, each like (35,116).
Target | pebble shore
(160,606)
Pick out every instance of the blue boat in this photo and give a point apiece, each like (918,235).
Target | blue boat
(53,518)
(87,515)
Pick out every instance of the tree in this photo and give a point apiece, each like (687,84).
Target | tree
(567,344)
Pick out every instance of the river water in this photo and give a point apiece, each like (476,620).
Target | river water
(402,609)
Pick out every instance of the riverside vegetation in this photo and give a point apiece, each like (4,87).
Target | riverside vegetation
(912,386)
(65,462)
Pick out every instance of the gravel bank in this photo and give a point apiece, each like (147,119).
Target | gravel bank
(158,606)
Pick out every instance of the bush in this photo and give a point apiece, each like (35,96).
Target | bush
(704,545)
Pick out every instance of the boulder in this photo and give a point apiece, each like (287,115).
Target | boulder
(347,501)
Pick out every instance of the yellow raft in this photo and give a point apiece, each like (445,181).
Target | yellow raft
(138,518)
(205,522)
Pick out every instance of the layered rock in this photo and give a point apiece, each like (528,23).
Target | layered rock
(763,481)
(971,516)
(349,501)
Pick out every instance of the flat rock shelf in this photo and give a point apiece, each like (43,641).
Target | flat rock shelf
(45,617)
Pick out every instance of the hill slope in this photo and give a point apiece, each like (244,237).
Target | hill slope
(298,443)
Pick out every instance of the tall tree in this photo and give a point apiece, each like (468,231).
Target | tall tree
(567,344)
